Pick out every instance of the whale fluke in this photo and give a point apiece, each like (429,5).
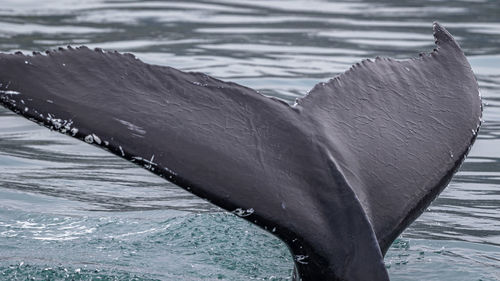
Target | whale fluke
(338,176)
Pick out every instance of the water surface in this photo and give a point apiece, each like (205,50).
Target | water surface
(71,211)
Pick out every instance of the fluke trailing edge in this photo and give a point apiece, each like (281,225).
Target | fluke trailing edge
(338,176)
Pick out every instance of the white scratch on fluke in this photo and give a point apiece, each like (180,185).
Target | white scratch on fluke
(132,127)
(121,150)
(171,172)
(242,212)
(9,92)
(199,84)
(149,163)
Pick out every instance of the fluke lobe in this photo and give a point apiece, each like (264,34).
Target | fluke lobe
(338,176)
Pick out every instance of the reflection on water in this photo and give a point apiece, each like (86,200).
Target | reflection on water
(70,211)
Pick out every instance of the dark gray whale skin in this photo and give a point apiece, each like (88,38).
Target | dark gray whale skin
(338,176)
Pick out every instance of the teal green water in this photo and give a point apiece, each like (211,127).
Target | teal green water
(69,211)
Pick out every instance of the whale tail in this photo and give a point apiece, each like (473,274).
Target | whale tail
(337,177)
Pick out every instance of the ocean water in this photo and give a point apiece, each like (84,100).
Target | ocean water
(69,211)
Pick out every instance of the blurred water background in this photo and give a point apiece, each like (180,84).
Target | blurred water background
(69,211)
